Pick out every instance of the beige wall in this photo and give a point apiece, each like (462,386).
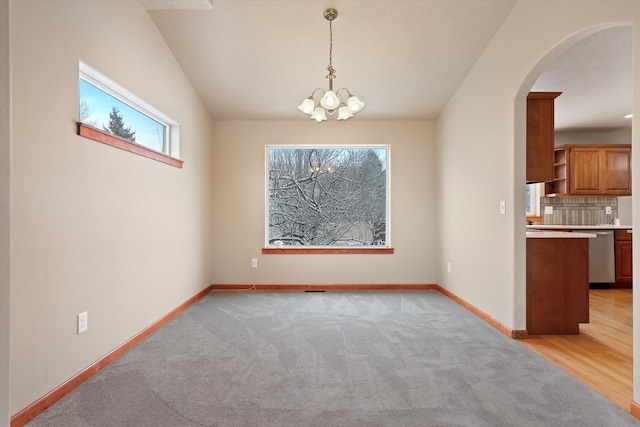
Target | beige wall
(95,228)
(5,247)
(611,136)
(481,159)
(239,191)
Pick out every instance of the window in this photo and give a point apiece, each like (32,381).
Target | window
(533,192)
(327,196)
(110,114)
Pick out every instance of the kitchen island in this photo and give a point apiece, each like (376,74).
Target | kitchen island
(610,254)
(557,281)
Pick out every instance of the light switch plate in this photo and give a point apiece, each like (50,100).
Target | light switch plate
(548,210)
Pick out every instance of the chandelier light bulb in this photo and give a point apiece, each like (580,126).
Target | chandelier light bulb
(344,113)
(319,114)
(307,106)
(355,104)
(330,100)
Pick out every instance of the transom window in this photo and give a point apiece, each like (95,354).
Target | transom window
(327,196)
(106,108)
(103,111)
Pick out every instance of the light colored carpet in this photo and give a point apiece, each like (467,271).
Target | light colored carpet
(284,359)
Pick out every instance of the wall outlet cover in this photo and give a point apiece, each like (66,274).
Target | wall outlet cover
(83,322)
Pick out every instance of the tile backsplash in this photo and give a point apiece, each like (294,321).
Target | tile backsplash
(579,210)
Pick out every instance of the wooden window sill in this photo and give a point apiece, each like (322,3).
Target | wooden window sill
(326,251)
(532,218)
(124,144)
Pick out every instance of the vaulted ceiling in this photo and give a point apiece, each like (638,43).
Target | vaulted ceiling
(257,60)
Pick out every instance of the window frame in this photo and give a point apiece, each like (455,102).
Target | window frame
(171,150)
(536,191)
(373,249)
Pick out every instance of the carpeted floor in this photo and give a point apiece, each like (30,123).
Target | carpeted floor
(284,359)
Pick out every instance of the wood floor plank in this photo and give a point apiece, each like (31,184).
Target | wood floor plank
(601,356)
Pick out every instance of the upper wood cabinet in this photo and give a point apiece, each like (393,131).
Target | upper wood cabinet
(540,140)
(592,170)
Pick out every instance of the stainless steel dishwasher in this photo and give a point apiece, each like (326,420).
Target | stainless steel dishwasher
(602,262)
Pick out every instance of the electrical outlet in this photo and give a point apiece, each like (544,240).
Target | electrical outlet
(448,267)
(503,207)
(254,263)
(607,210)
(83,322)
(548,210)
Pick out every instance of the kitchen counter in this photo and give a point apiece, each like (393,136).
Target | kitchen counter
(579,227)
(542,234)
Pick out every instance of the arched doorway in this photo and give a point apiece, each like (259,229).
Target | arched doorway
(593,70)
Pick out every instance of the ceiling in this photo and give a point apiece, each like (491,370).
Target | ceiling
(594,76)
(259,59)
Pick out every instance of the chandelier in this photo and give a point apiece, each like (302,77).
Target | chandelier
(331,101)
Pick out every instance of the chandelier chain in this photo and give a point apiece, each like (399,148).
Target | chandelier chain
(332,71)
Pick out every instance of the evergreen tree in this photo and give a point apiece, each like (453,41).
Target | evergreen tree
(116,126)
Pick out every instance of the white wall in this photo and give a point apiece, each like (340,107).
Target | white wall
(239,219)
(95,228)
(480,147)
(5,246)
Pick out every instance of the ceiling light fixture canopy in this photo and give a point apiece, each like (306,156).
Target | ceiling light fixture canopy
(331,101)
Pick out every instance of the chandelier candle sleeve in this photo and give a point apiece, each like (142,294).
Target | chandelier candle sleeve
(331,101)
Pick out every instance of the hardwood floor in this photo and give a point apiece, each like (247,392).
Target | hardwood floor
(601,355)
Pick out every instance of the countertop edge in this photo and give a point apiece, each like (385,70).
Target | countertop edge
(579,227)
(559,235)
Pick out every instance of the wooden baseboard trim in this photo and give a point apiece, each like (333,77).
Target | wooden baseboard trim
(31,411)
(519,334)
(635,409)
(515,334)
(511,333)
(325,287)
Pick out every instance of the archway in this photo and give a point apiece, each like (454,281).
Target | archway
(556,55)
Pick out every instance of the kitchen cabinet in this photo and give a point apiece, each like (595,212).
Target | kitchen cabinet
(624,258)
(591,170)
(540,136)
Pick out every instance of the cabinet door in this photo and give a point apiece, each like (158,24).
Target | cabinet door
(585,171)
(540,134)
(624,261)
(616,163)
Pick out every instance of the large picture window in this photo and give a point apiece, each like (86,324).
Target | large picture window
(327,196)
